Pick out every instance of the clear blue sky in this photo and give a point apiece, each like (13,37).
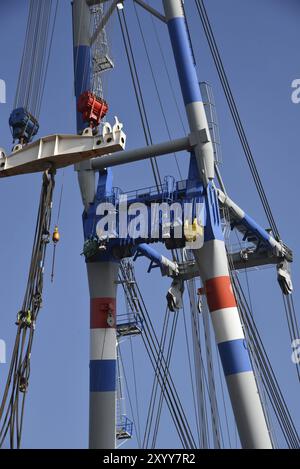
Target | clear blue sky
(258,40)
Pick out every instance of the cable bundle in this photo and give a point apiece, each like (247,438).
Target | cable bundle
(13,402)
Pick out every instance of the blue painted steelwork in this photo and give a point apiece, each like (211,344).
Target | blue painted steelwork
(193,186)
(234,356)
(24,125)
(102,375)
(82,73)
(213,228)
(256,230)
(154,256)
(251,230)
(157,260)
(190,191)
(175,197)
(184,61)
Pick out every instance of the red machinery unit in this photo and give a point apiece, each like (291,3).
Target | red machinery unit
(92,107)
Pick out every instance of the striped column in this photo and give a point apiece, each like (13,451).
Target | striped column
(81,52)
(102,277)
(242,387)
(211,258)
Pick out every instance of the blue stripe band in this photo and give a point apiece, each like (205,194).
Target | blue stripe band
(184,61)
(82,73)
(102,375)
(151,253)
(82,69)
(213,226)
(251,224)
(234,356)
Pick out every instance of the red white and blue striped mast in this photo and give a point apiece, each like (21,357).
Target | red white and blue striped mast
(211,258)
(102,273)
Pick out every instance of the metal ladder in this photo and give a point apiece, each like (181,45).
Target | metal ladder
(130,323)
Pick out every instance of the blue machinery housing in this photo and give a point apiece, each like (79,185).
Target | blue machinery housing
(23,124)
(189,192)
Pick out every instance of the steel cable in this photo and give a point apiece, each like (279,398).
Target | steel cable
(11,417)
(138,92)
(235,114)
(152,345)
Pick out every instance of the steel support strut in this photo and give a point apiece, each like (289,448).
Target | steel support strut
(212,258)
(102,276)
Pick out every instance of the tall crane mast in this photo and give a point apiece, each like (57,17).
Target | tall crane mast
(211,258)
(103,274)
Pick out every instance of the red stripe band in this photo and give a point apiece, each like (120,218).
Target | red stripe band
(219,293)
(103,313)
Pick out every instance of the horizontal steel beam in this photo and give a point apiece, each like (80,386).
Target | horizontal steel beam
(240,260)
(58,151)
(138,154)
(252,260)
